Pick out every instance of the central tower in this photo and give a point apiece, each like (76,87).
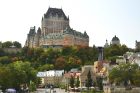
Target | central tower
(54,21)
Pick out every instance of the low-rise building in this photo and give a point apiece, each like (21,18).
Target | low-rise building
(51,77)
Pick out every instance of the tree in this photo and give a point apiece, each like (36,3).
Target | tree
(5,77)
(46,67)
(99,81)
(137,78)
(7,44)
(77,82)
(72,82)
(124,49)
(52,55)
(67,50)
(60,63)
(72,62)
(16,74)
(89,80)
(17,44)
(125,73)
(5,60)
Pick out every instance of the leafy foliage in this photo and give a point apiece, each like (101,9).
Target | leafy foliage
(72,82)
(125,73)
(15,74)
(17,44)
(77,82)
(89,80)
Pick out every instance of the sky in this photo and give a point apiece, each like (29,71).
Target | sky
(101,19)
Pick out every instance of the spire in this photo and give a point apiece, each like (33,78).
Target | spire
(106,41)
(106,44)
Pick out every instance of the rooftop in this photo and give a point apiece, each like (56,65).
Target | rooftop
(55,12)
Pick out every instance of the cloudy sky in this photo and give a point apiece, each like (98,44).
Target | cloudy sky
(102,19)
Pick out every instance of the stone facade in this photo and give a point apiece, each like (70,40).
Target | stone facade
(55,31)
(137,45)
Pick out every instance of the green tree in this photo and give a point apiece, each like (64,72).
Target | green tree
(89,80)
(5,77)
(17,44)
(52,55)
(46,67)
(136,78)
(124,73)
(124,49)
(5,60)
(7,44)
(17,73)
(77,82)
(67,50)
(72,82)
(99,83)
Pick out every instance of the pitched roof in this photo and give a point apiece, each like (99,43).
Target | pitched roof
(69,30)
(55,12)
(86,71)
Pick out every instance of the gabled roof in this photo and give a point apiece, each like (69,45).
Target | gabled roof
(86,71)
(69,30)
(55,12)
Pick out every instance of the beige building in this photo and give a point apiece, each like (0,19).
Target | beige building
(55,31)
(85,71)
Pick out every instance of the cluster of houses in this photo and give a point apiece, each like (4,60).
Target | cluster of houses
(55,77)
(100,68)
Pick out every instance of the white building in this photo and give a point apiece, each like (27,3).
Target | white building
(51,76)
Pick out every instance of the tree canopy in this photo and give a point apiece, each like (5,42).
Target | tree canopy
(125,73)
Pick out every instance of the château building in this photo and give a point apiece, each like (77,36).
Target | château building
(55,31)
